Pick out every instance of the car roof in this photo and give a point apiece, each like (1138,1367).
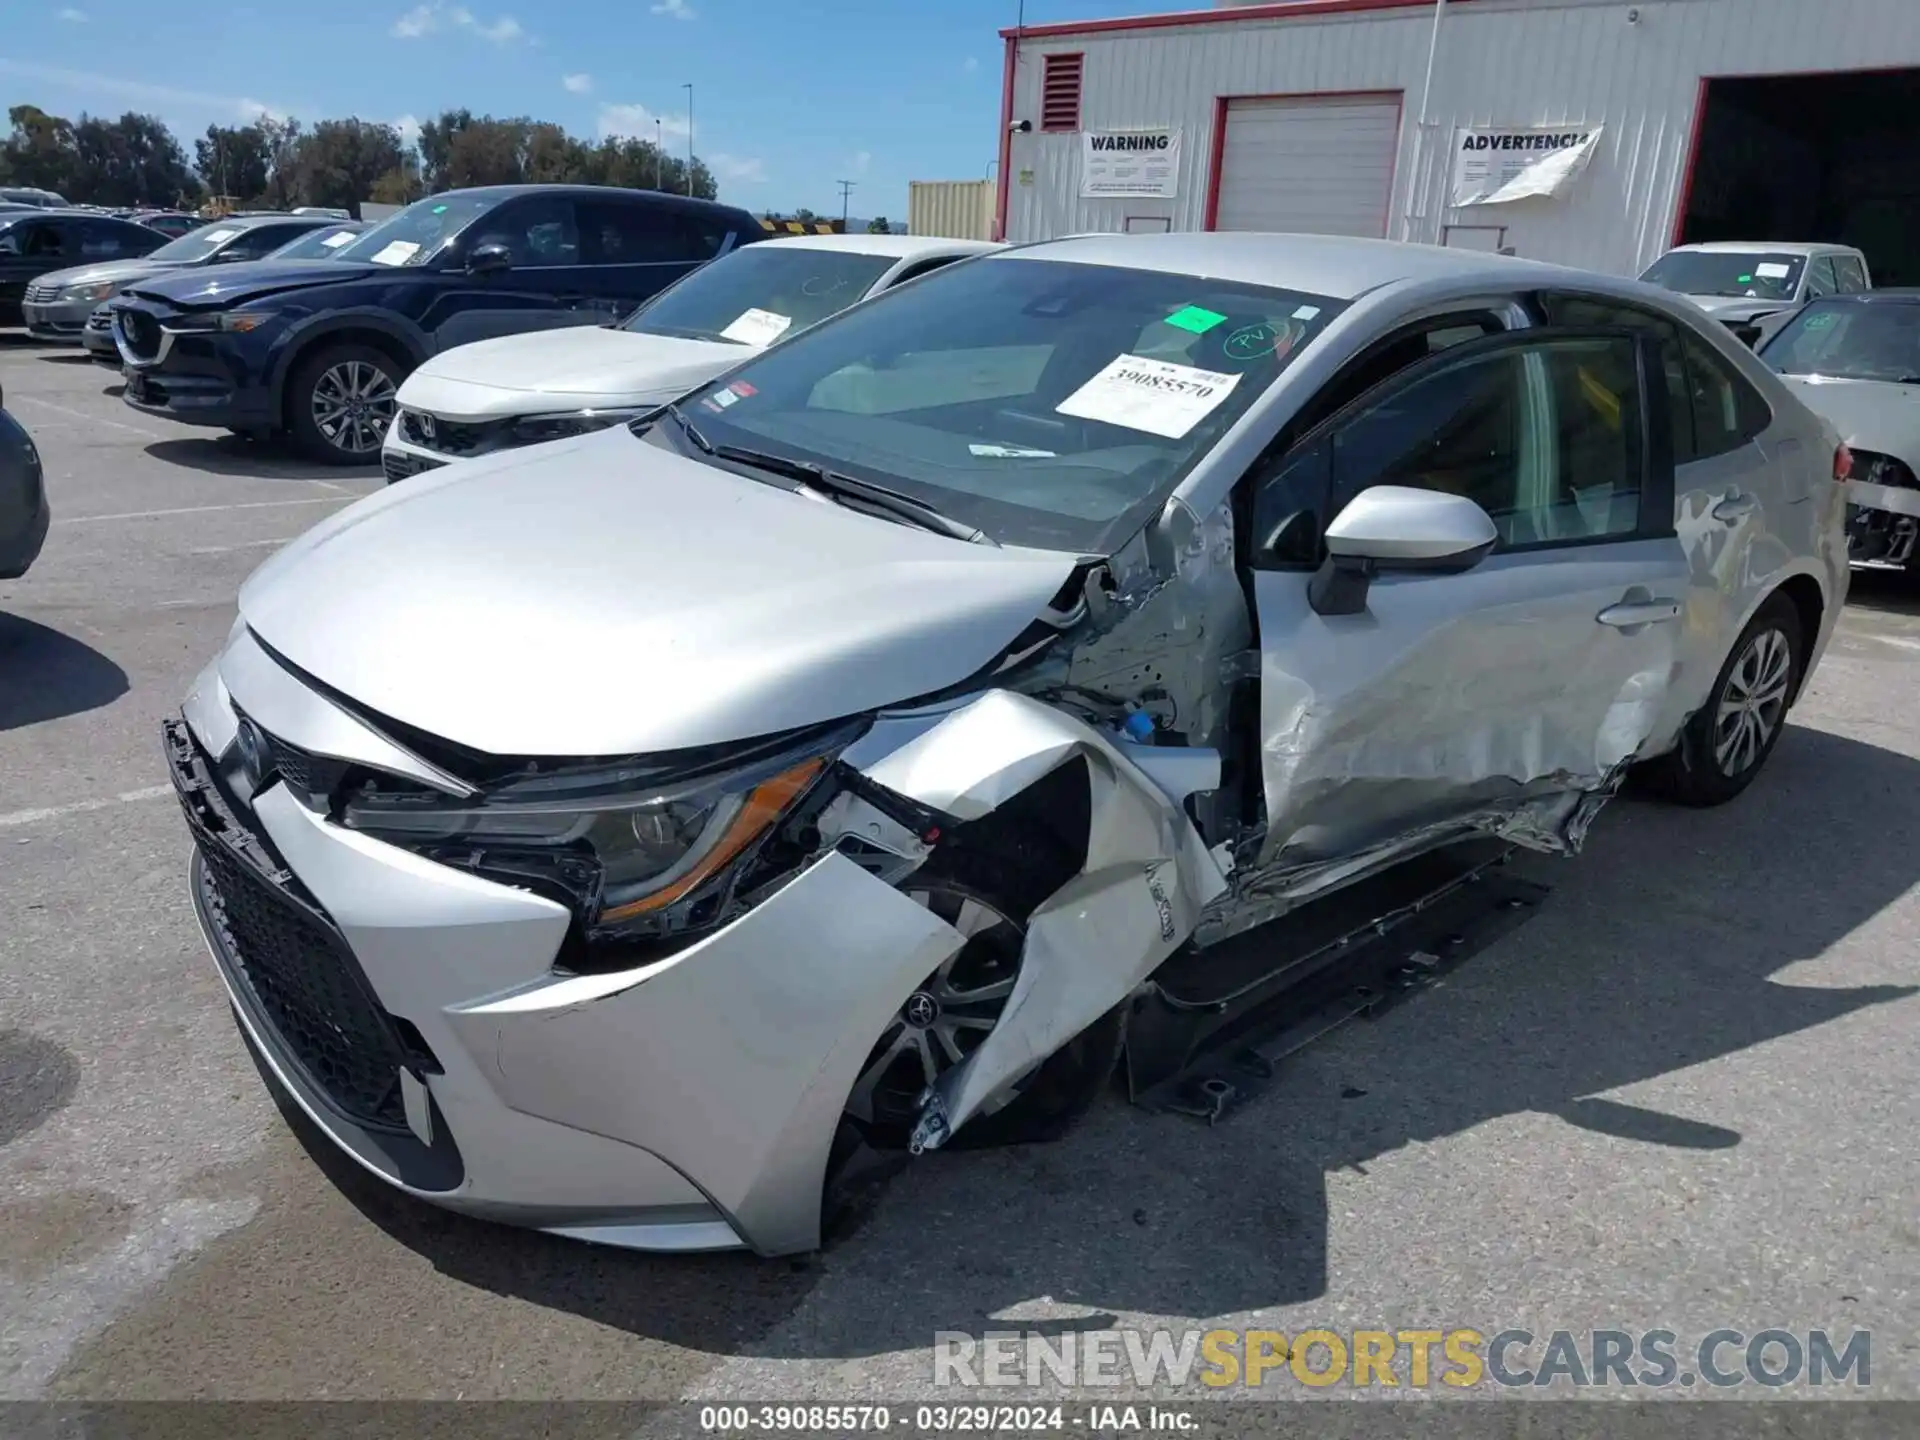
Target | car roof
(897,247)
(56,212)
(578,192)
(1772,247)
(1336,266)
(1892,295)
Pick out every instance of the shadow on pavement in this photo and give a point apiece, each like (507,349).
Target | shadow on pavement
(45,675)
(1884,591)
(73,356)
(255,459)
(1654,954)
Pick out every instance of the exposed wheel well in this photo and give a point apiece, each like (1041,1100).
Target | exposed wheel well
(1042,831)
(1804,593)
(373,339)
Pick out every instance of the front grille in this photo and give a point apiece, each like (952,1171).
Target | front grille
(449,437)
(141,333)
(100,321)
(400,466)
(289,958)
(42,294)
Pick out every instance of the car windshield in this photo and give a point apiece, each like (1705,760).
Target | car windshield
(418,233)
(1048,404)
(1847,340)
(756,295)
(199,244)
(322,244)
(1748,274)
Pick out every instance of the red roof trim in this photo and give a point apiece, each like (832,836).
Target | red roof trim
(1281,10)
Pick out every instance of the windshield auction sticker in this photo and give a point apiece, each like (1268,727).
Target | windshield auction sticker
(758,327)
(397,252)
(1156,396)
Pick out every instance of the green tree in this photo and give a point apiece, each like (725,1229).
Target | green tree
(879,226)
(40,150)
(340,161)
(234,160)
(134,160)
(284,137)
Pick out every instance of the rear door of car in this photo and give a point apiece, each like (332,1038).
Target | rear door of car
(1521,682)
(31,248)
(634,248)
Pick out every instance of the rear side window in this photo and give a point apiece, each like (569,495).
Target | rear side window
(1853,275)
(262,240)
(1727,411)
(626,234)
(537,230)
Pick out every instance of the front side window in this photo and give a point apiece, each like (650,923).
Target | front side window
(1745,274)
(535,231)
(757,295)
(418,234)
(1821,279)
(1848,340)
(1546,437)
(1048,403)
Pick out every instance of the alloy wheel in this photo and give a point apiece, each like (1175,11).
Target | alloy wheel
(353,405)
(1752,703)
(947,1018)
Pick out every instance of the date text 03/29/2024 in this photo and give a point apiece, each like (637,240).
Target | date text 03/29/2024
(942,1419)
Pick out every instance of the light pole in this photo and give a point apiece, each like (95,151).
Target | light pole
(846,189)
(688,87)
(659,149)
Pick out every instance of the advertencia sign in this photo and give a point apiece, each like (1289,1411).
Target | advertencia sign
(1491,167)
(1127,164)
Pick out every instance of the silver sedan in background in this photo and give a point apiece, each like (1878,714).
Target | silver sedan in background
(625,835)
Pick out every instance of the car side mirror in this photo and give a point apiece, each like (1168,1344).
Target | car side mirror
(489,260)
(1397,528)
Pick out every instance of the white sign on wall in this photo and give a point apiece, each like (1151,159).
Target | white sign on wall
(1491,167)
(1129,164)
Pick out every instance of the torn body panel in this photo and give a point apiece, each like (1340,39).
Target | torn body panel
(1145,882)
(1496,701)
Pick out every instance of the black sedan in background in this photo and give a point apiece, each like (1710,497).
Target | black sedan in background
(24,515)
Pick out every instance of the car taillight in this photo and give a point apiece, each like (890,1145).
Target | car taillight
(1842,463)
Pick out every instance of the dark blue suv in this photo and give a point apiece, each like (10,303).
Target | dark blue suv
(315,349)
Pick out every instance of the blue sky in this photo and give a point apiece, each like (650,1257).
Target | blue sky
(789,96)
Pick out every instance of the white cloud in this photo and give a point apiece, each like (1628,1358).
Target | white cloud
(678,9)
(637,122)
(969,65)
(429,19)
(747,170)
(578,84)
(75,17)
(409,128)
(87,82)
(860,164)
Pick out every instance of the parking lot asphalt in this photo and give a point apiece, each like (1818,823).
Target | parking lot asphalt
(1683,1097)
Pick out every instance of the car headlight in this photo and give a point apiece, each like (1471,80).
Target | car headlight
(533,429)
(233,321)
(628,852)
(88,292)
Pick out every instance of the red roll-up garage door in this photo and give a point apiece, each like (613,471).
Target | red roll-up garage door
(1310,165)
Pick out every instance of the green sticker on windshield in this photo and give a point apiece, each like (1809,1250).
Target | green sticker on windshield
(1744,280)
(439,209)
(1821,322)
(1192,317)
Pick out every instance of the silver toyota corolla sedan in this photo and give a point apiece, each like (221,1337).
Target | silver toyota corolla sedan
(613,836)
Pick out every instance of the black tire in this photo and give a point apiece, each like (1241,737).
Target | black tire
(1694,773)
(342,368)
(1067,1083)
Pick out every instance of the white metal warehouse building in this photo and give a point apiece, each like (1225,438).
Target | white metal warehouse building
(1657,122)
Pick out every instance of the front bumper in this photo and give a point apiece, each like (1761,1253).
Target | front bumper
(687,1105)
(98,339)
(198,379)
(1883,524)
(401,460)
(62,320)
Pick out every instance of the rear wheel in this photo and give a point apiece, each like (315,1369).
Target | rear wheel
(1730,738)
(340,401)
(952,1012)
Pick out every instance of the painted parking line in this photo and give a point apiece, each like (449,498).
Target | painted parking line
(16,818)
(87,419)
(207,509)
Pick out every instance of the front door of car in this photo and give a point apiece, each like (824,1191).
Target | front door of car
(517,268)
(1452,690)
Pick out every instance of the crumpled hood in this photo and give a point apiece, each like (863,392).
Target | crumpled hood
(1736,309)
(602,596)
(576,367)
(1872,415)
(120,272)
(216,286)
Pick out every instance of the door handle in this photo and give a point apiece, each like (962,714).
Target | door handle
(1735,507)
(1629,613)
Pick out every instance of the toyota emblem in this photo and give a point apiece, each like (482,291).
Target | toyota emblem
(921,1010)
(253,753)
